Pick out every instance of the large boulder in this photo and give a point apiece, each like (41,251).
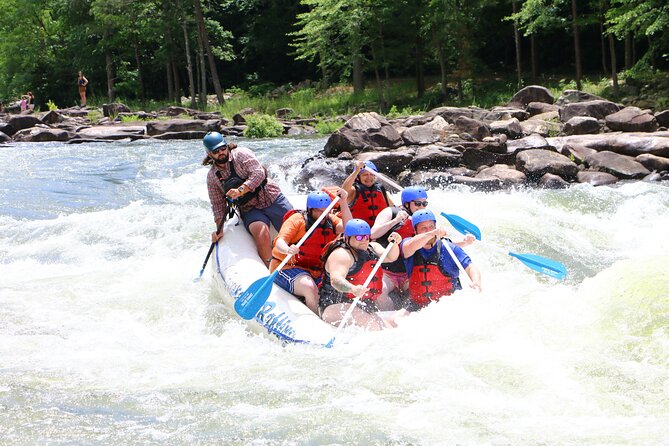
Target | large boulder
(599,109)
(435,157)
(543,128)
(505,113)
(450,114)
(7,128)
(477,129)
(621,166)
(420,135)
(577,152)
(652,162)
(40,134)
(360,132)
(581,125)
(631,144)
(21,122)
(572,96)
(4,138)
(114,109)
(550,181)
(529,142)
(392,161)
(535,163)
(53,117)
(475,158)
(631,119)
(662,118)
(182,125)
(532,93)
(506,174)
(509,127)
(537,108)
(596,178)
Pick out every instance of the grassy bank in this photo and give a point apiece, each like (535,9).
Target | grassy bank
(401,99)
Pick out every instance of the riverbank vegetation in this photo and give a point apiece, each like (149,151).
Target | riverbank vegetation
(393,57)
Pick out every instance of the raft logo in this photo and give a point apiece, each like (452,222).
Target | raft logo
(275,322)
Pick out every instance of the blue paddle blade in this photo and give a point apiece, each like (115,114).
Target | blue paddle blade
(255,296)
(543,265)
(462,226)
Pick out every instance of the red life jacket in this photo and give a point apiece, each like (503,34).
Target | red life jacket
(405,230)
(428,281)
(361,269)
(368,202)
(309,256)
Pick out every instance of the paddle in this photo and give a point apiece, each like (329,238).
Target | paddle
(255,296)
(540,264)
(357,299)
(211,248)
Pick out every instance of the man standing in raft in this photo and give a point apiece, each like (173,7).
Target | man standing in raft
(304,270)
(236,174)
(366,197)
(432,271)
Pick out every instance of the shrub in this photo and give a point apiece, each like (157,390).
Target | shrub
(129,118)
(262,126)
(52,105)
(328,126)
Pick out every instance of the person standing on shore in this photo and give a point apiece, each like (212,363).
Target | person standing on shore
(82,82)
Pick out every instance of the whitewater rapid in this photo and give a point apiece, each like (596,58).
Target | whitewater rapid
(106,339)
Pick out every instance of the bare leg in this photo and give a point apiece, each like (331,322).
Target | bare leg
(335,313)
(260,233)
(304,286)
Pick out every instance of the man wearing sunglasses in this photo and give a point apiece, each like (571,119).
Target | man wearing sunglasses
(238,176)
(433,273)
(348,262)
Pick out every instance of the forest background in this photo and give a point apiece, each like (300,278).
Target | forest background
(337,55)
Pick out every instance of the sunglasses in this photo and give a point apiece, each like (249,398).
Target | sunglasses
(362,237)
(218,149)
(420,203)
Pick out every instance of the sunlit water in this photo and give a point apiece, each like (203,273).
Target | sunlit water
(106,339)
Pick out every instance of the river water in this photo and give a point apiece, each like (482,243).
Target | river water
(106,339)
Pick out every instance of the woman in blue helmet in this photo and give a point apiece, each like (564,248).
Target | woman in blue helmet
(366,196)
(348,262)
(239,177)
(304,270)
(432,271)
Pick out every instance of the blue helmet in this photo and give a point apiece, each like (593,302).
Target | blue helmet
(370,166)
(421,216)
(355,226)
(412,193)
(318,200)
(213,140)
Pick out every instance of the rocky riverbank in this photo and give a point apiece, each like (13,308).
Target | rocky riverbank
(533,140)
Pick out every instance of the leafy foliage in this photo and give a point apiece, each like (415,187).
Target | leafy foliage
(262,126)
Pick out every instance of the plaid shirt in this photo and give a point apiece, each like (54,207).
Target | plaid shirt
(251,172)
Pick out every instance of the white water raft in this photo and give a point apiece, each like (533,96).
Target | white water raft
(236,266)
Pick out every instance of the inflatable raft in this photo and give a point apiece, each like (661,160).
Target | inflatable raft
(237,265)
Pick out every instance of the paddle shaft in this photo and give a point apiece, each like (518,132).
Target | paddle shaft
(387,180)
(308,233)
(365,285)
(211,248)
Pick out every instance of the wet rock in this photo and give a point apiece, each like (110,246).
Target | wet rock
(652,162)
(653,176)
(537,108)
(391,162)
(550,181)
(475,158)
(482,184)
(429,179)
(529,142)
(631,119)
(596,178)
(182,125)
(37,134)
(632,144)
(21,122)
(361,131)
(662,118)
(509,127)
(504,173)
(4,138)
(581,125)
(572,96)
(532,93)
(435,157)
(535,163)
(7,129)
(180,135)
(598,109)
(478,129)
(320,172)
(621,166)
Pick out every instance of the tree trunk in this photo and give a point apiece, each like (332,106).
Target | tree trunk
(177,82)
(604,45)
(111,95)
(628,51)
(358,80)
(516,38)
(443,90)
(202,70)
(614,74)
(138,63)
(420,70)
(577,43)
(170,82)
(533,56)
(189,65)
(207,47)
(383,105)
